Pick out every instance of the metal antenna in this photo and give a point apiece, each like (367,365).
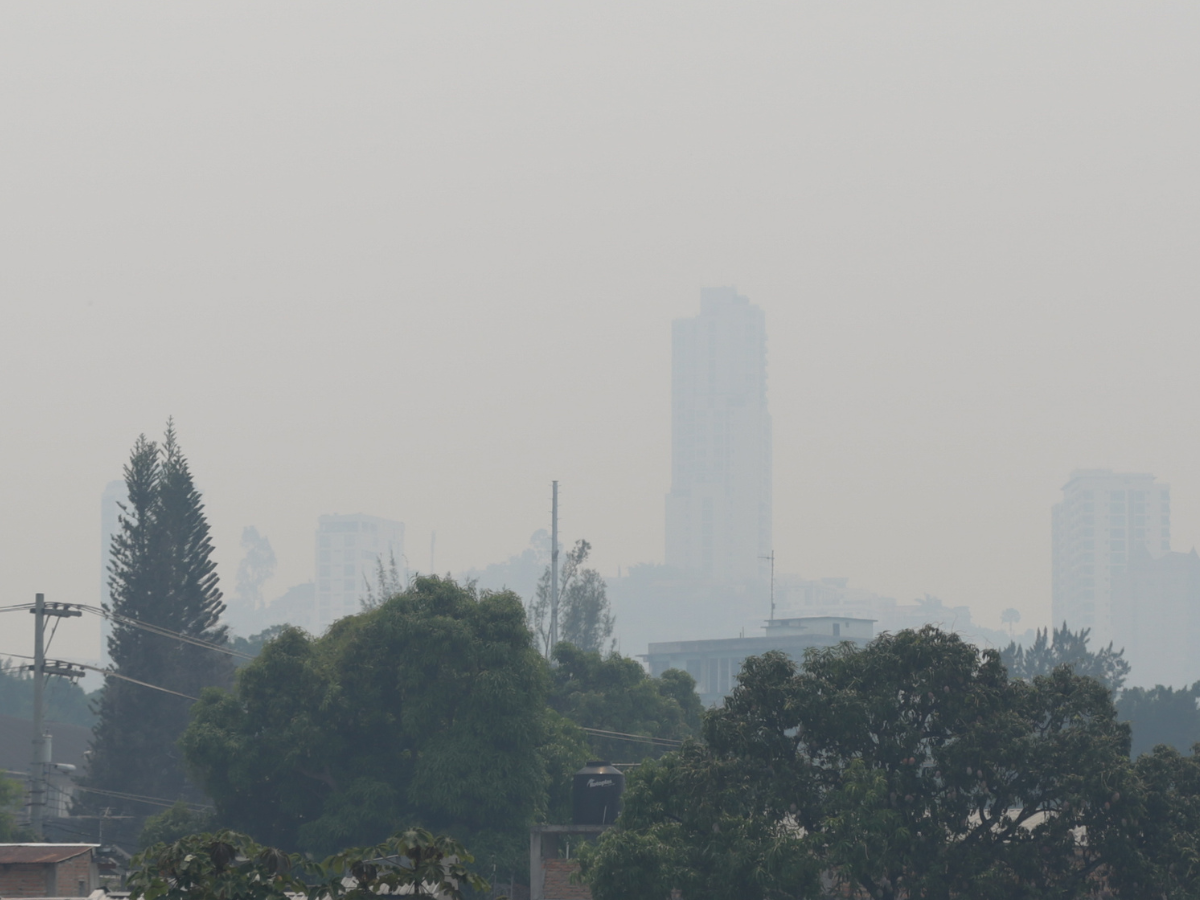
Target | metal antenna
(772,559)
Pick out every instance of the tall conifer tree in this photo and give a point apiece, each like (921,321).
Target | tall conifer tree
(162,573)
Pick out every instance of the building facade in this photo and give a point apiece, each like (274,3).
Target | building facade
(349,550)
(1156,617)
(718,512)
(1103,519)
(48,870)
(715,664)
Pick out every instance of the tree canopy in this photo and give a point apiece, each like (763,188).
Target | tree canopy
(584,615)
(162,573)
(913,767)
(614,693)
(1161,715)
(1070,648)
(429,709)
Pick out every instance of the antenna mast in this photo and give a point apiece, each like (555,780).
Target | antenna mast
(772,559)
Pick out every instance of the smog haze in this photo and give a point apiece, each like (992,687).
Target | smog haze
(416,261)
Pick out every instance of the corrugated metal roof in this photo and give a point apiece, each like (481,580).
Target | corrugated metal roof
(17,854)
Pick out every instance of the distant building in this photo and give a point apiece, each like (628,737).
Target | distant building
(1103,518)
(349,550)
(715,664)
(718,512)
(48,870)
(1156,617)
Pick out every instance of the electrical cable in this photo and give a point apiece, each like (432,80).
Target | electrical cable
(110,672)
(159,630)
(665,742)
(53,631)
(142,798)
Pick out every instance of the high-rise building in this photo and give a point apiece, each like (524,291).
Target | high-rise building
(1104,517)
(719,508)
(348,552)
(1156,617)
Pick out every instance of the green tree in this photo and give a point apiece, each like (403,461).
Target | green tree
(614,693)
(12,796)
(252,646)
(162,573)
(1069,648)
(231,866)
(174,823)
(584,615)
(912,767)
(429,709)
(1161,715)
(1168,833)
(387,583)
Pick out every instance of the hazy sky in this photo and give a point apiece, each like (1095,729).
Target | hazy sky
(416,260)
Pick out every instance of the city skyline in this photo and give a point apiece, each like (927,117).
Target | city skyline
(368,263)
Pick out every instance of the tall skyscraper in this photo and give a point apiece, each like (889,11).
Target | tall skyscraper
(1104,517)
(719,508)
(349,550)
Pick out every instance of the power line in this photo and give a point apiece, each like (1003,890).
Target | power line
(142,798)
(159,630)
(111,673)
(665,742)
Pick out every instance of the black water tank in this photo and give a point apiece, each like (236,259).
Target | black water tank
(596,794)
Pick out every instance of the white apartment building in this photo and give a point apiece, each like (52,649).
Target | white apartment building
(718,512)
(1103,517)
(348,552)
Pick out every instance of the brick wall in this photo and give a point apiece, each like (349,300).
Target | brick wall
(24,880)
(70,873)
(558,881)
(48,879)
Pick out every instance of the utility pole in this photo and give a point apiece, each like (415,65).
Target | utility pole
(554,569)
(772,559)
(41,746)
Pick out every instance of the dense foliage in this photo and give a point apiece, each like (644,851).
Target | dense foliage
(252,646)
(614,693)
(1070,648)
(175,823)
(12,795)
(429,709)
(913,767)
(1161,715)
(162,573)
(231,866)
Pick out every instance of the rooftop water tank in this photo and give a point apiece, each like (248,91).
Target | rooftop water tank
(596,794)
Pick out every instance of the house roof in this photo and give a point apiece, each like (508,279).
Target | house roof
(16,854)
